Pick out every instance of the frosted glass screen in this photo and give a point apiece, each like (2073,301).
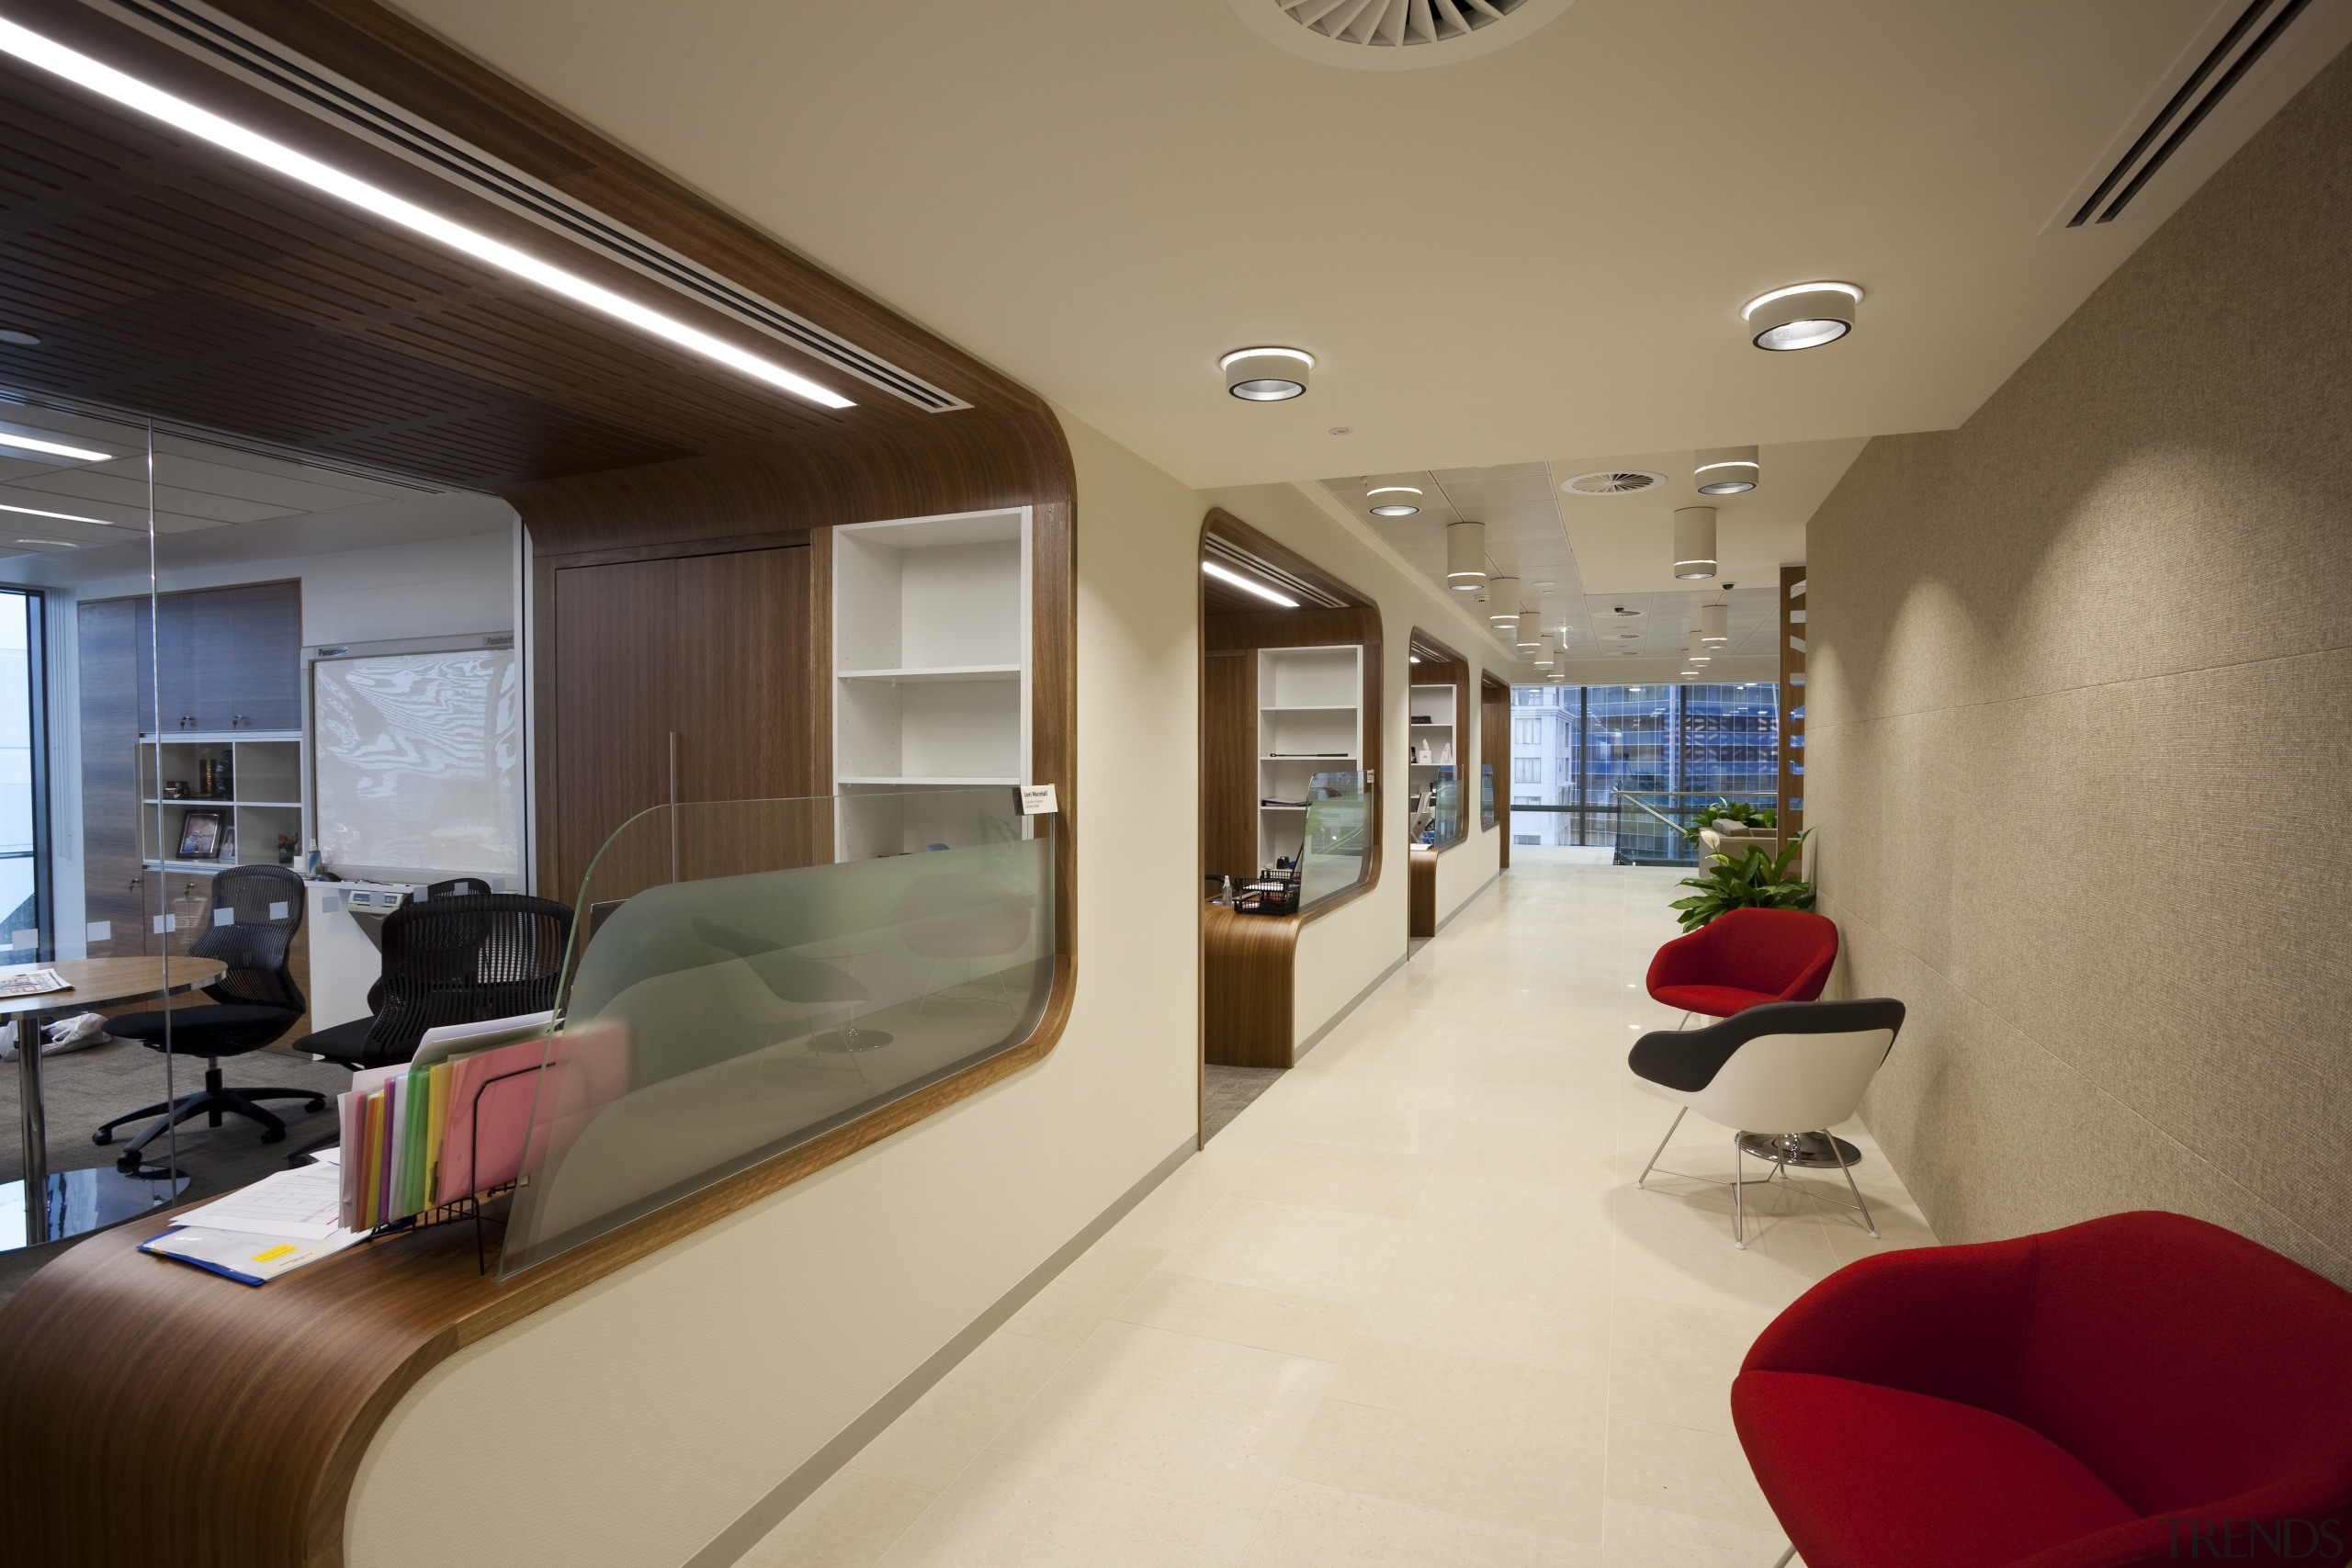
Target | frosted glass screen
(418,762)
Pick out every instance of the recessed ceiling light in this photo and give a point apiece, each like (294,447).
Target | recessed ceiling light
(1266,375)
(62,517)
(53,448)
(1414,656)
(1259,588)
(15,337)
(178,113)
(60,544)
(1802,315)
(1395,509)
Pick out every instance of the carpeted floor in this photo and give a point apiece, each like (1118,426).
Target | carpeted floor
(1230,1092)
(85,1088)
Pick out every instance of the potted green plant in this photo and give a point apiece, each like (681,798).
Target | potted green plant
(1763,818)
(1754,881)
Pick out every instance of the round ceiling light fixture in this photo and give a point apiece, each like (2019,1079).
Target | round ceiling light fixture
(1727,470)
(1465,557)
(17,337)
(1694,542)
(1502,597)
(1802,315)
(1714,625)
(1396,505)
(1266,375)
(1612,481)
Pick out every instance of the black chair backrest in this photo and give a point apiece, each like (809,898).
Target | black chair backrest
(462,960)
(256,911)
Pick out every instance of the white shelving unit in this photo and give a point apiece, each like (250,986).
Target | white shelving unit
(1433,722)
(1310,720)
(931,657)
(264,797)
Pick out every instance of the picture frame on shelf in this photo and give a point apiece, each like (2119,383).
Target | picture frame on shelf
(201,835)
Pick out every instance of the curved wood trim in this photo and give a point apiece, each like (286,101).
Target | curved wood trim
(1451,670)
(154,1413)
(1227,525)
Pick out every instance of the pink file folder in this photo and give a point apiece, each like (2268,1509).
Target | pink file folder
(499,1092)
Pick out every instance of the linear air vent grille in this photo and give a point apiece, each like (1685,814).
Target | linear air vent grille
(1230,555)
(265,63)
(2224,66)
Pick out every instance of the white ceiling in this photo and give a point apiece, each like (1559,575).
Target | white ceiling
(1103,198)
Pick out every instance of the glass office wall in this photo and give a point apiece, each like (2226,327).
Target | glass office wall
(1580,754)
(24,850)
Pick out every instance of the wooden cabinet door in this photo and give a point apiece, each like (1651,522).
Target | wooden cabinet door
(245,646)
(715,649)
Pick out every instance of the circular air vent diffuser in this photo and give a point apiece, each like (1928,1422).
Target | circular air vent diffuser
(1612,481)
(1394,35)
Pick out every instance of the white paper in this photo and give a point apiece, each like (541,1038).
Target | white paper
(304,1203)
(244,1252)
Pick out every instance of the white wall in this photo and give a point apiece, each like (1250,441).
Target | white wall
(1342,953)
(631,1423)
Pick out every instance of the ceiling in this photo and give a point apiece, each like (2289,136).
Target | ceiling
(1102,199)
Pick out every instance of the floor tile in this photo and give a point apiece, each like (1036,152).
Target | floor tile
(930,1445)
(1271,1320)
(1309,1526)
(1203,1421)
(1289,1247)
(1007,1513)
(849,1522)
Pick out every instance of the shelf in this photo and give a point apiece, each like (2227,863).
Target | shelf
(1263,807)
(941,675)
(215,800)
(1312,757)
(223,737)
(1433,724)
(928,782)
(1312,708)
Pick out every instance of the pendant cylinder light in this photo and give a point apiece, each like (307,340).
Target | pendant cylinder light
(1531,617)
(1714,625)
(1699,652)
(1502,598)
(1547,652)
(1466,556)
(1694,542)
(1728,470)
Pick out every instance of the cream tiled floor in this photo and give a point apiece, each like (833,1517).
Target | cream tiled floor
(1408,1309)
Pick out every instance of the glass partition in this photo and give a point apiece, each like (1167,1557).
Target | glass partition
(746,976)
(1332,852)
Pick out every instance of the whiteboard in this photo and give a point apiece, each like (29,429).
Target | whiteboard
(417,764)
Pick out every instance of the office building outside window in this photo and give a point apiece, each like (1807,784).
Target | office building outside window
(1582,756)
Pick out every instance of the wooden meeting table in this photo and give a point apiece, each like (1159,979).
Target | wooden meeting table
(47,1206)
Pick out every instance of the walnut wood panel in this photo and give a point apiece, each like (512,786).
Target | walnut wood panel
(1494,753)
(152,1414)
(1248,964)
(1420,892)
(1228,765)
(1289,628)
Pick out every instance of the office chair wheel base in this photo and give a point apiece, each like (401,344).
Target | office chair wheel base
(840,1042)
(272,1134)
(1810,1153)
(103,1137)
(316,1102)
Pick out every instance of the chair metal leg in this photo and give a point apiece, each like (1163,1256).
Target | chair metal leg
(1787,1556)
(1661,1146)
(1738,1194)
(1868,1223)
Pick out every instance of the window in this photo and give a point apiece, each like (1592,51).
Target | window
(1527,732)
(1673,746)
(1527,769)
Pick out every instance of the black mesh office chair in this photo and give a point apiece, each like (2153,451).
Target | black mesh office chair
(462,958)
(256,911)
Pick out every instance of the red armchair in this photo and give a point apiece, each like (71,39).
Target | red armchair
(1744,958)
(2140,1390)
